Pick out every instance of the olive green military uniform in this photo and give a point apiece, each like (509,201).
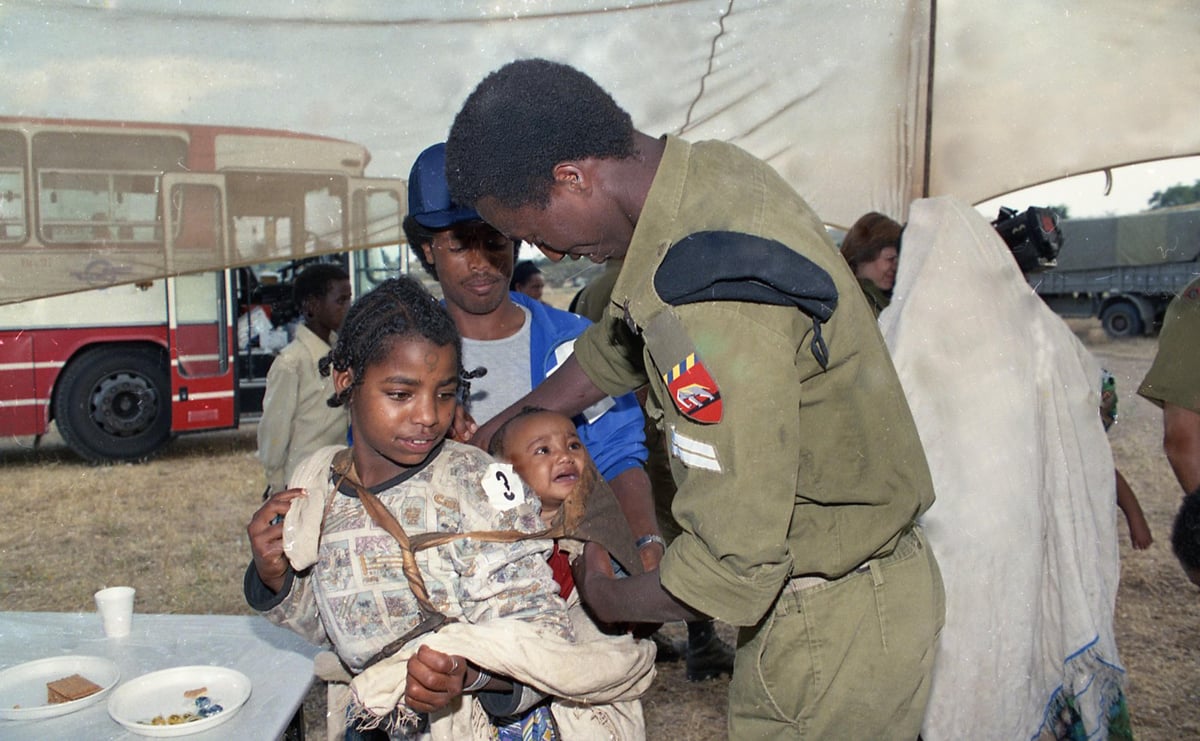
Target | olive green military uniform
(1175,375)
(592,300)
(875,295)
(799,490)
(593,303)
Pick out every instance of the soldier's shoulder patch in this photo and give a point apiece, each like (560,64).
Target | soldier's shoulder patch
(694,391)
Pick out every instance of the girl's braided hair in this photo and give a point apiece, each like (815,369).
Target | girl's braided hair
(398,309)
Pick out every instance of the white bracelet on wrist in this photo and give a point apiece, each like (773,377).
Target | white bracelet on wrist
(482,679)
(646,540)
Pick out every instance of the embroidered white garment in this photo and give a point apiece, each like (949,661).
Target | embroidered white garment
(1006,400)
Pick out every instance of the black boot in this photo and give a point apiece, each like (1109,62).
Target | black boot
(708,657)
(668,650)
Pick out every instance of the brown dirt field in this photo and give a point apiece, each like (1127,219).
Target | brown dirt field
(174,527)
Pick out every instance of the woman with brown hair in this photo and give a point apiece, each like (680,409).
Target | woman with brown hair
(872,248)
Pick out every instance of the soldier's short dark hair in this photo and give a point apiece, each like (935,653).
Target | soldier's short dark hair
(521,121)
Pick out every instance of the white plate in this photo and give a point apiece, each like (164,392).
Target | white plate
(137,702)
(25,685)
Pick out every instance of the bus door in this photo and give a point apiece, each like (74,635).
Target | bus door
(199,312)
(377,208)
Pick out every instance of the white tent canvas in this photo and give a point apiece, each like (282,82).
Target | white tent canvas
(861,104)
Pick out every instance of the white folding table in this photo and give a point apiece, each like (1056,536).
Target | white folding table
(278,663)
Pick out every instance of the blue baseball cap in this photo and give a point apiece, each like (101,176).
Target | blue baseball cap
(429,194)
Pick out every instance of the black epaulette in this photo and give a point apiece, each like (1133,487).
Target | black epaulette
(732,266)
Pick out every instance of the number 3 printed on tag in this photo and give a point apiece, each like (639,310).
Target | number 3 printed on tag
(503,486)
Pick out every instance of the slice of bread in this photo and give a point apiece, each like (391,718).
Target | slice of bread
(70,688)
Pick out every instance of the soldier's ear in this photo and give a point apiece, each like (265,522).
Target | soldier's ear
(571,176)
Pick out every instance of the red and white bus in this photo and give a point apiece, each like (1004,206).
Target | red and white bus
(129,250)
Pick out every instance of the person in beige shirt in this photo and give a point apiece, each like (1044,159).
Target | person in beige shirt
(296,419)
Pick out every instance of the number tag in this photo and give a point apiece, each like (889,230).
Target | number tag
(503,486)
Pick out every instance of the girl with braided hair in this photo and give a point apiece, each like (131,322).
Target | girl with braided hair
(353,581)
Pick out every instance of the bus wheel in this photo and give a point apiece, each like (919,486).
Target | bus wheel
(1121,320)
(114,403)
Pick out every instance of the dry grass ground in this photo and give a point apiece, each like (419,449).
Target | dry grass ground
(174,528)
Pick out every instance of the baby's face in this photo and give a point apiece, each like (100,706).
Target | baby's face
(545,450)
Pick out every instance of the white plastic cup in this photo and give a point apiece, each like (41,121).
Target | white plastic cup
(115,605)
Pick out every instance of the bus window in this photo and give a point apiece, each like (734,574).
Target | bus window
(200,332)
(73,205)
(382,253)
(380,214)
(12,187)
(254,235)
(88,206)
(102,187)
(282,216)
(196,223)
(323,221)
(134,208)
(54,150)
(12,205)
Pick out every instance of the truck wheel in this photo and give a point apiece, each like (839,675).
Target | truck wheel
(1121,320)
(114,403)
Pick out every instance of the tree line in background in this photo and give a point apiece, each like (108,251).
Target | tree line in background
(1176,195)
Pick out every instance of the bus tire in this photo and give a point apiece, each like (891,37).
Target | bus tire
(114,403)
(1121,320)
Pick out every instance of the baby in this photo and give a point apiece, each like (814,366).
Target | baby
(544,449)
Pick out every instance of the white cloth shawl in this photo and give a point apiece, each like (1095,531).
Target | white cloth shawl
(302,523)
(596,680)
(1006,400)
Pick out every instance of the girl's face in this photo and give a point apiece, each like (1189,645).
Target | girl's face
(403,407)
(882,270)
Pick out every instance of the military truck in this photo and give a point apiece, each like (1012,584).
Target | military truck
(1123,269)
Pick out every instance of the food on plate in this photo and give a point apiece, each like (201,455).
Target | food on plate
(74,687)
(205,708)
(173,719)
